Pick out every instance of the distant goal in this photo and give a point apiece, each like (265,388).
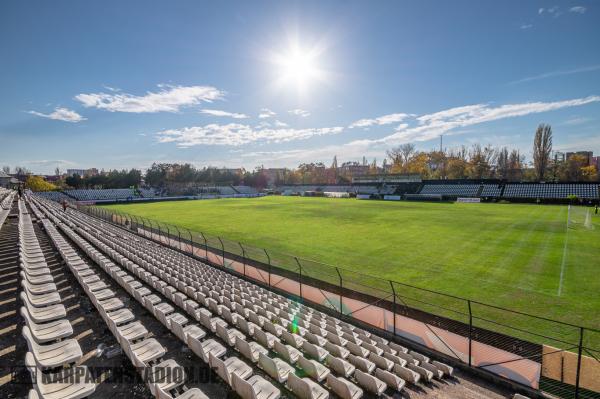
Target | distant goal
(580,218)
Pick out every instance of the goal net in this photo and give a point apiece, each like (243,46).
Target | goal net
(580,217)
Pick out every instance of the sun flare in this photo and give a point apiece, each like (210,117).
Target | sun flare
(298,68)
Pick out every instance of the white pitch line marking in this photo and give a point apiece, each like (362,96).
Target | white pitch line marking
(564,257)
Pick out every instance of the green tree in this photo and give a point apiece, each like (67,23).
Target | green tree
(37,183)
(542,148)
(74,181)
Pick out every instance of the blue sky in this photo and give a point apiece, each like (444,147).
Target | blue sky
(117,84)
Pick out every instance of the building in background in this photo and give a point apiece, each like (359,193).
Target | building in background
(587,154)
(274,175)
(559,157)
(83,172)
(354,169)
(4,179)
(80,172)
(233,171)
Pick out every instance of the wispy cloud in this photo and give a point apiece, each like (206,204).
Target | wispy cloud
(350,151)
(61,114)
(47,162)
(263,125)
(526,26)
(556,12)
(266,113)
(553,11)
(299,112)
(553,74)
(382,120)
(234,134)
(430,126)
(590,141)
(217,112)
(275,123)
(110,88)
(168,99)
(271,154)
(578,120)
(578,9)
(452,121)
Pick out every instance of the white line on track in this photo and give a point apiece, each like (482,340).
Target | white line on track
(564,256)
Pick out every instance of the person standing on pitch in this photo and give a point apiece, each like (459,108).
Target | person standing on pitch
(596,209)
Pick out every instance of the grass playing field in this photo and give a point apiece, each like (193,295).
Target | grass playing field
(512,255)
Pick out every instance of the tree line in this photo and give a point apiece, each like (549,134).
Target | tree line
(110,179)
(187,175)
(474,162)
(485,162)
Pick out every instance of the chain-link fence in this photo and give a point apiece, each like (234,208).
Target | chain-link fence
(547,355)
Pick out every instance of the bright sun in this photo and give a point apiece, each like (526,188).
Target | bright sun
(297,67)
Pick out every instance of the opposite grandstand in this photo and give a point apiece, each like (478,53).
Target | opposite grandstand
(451,189)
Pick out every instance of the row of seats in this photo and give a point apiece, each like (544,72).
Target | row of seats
(388,189)
(336,189)
(281,330)
(147,192)
(98,194)
(57,196)
(7,197)
(101,194)
(245,190)
(225,190)
(46,328)
(459,190)
(526,190)
(145,353)
(192,334)
(491,190)
(381,190)
(367,190)
(555,191)
(4,193)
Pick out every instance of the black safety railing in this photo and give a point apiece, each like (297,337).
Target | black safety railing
(560,358)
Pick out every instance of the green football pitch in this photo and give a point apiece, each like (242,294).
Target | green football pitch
(519,256)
